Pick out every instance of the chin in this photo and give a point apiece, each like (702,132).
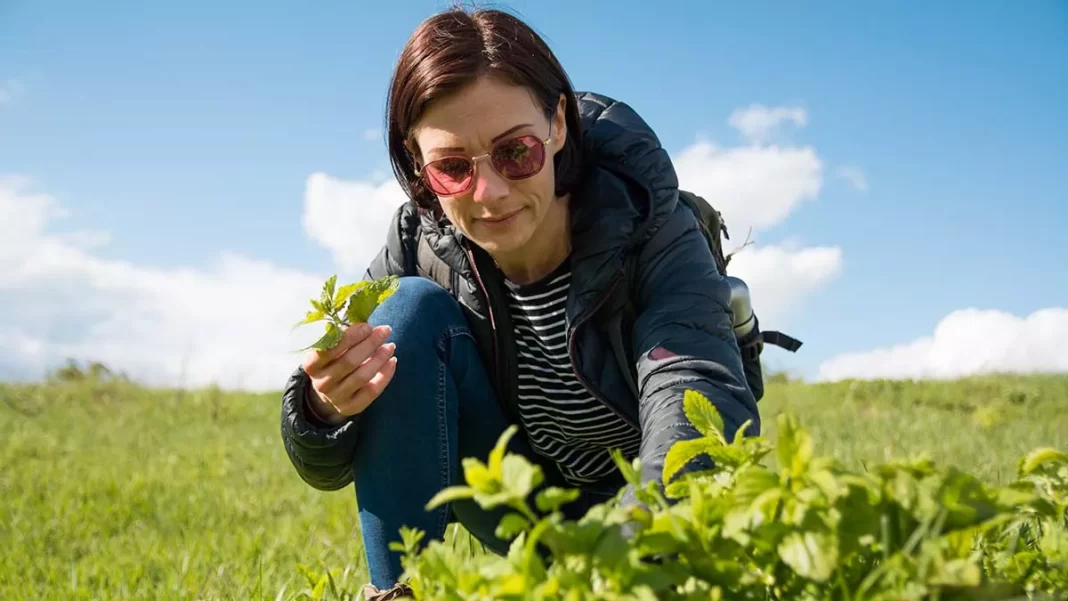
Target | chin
(503,237)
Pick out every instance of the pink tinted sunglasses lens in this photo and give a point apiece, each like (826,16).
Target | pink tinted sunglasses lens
(519,158)
(449,175)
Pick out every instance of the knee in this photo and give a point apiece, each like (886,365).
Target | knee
(418,305)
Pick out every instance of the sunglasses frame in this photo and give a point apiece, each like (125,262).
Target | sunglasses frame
(474,163)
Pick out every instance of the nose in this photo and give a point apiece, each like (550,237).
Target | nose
(488,185)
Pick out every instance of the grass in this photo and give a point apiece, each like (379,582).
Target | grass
(116,492)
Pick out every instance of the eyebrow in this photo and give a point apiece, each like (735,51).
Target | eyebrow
(495,139)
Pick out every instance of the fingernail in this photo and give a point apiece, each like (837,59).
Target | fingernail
(386,331)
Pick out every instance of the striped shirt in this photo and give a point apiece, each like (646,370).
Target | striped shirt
(564,422)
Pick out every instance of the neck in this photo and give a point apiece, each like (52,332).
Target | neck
(545,250)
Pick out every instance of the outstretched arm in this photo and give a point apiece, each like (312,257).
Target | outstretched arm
(683,339)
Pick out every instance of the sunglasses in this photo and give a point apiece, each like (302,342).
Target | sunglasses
(514,158)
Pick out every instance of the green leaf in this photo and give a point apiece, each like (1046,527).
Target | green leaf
(511,526)
(631,470)
(367,298)
(553,497)
(703,415)
(1039,458)
(751,482)
(957,572)
(478,476)
(813,555)
(346,291)
(329,340)
(450,494)
(496,456)
(519,476)
(310,317)
(681,453)
(966,500)
(794,445)
(327,295)
(739,434)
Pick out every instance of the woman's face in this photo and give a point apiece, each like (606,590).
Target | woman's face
(499,214)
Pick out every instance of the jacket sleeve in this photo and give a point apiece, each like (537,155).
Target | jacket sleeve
(322,453)
(684,339)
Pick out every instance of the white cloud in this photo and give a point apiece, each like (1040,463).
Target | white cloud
(757,122)
(779,278)
(373,134)
(350,218)
(229,324)
(854,176)
(753,186)
(966,342)
(758,186)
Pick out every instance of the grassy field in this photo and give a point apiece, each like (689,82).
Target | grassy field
(114,492)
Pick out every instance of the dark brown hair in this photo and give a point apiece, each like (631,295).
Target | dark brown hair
(454,48)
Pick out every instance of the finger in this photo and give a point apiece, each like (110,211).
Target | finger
(348,387)
(371,391)
(340,368)
(316,361)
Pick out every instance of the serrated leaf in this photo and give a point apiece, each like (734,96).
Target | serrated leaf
(703,415)
(326,297)
(681,453)
(310,317)
(366,298)
(813,555)
(342,295)
(450,494)
(329,340)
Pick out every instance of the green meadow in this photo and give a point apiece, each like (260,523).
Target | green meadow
(113,491)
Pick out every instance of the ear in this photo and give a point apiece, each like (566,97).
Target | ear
(560,124)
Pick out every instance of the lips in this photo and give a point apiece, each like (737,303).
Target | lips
(499,218)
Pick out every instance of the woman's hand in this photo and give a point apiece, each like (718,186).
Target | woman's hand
(348,377)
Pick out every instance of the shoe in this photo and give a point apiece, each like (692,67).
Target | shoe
(397,591)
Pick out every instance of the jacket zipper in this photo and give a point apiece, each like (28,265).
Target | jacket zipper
(571,353)
(489,311)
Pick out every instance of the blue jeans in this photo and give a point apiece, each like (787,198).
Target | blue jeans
(439,408)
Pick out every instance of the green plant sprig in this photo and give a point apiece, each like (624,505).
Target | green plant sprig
(805,528)
(345,306)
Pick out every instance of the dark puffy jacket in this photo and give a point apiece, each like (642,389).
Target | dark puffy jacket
(682,337)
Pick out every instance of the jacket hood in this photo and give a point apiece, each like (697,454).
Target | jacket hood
(628,190)
(619,145)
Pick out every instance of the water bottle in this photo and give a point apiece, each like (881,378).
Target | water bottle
(742,307)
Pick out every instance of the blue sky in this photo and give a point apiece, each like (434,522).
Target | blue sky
(187,130)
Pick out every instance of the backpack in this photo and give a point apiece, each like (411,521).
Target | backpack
(620,313)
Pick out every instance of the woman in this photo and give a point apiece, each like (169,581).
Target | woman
(526,200)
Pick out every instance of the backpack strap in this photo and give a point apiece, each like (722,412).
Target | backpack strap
(782,340)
